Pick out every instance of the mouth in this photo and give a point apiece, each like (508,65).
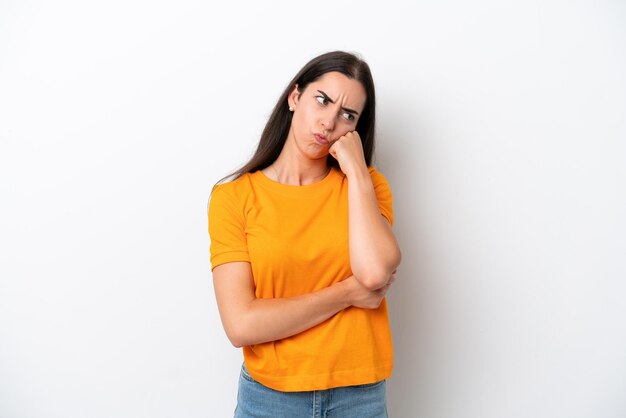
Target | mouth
(321,139)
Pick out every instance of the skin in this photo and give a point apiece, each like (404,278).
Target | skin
(321,108)
(303,159)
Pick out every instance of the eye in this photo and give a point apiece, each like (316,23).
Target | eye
(321,99)
(349,116)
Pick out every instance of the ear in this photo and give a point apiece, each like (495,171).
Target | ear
(294,96)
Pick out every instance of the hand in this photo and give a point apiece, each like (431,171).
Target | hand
(348,151)
(361,297)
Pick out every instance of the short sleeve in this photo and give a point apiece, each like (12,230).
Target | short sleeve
(226,227)
(383,194)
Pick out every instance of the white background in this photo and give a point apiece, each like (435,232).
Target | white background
(502,132)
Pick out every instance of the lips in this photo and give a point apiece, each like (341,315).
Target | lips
(321,139)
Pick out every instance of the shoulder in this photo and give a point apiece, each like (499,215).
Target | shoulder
(234,187)
(232,194)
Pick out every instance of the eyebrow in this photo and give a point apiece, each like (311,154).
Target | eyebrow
(332,101)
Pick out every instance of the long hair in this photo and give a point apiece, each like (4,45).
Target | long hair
(277,128)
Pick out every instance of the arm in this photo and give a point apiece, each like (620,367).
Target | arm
(248,320)
(374,252)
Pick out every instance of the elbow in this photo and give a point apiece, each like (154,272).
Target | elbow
(236,344)
(237,334)
(242,327)
(234,338)
(374,281)
(376,277)
(238,340)
(397,259)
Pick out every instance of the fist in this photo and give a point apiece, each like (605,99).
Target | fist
(348,151)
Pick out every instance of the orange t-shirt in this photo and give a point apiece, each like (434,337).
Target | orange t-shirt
(296,240)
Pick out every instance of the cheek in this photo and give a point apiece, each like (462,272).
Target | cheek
(304,116)
(298,121)
(345,129)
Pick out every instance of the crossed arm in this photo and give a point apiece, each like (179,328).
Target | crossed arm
(249,320)
(374,257)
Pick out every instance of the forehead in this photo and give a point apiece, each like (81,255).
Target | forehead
(341,89)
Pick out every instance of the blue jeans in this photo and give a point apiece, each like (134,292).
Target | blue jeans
(362,401)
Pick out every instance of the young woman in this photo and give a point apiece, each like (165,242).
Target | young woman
(303,253)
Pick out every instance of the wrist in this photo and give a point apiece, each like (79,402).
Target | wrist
(358,173)
(345,293)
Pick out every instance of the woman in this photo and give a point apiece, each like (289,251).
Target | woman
(303,253)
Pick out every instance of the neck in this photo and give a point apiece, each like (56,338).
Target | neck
(297,175)
(295,168)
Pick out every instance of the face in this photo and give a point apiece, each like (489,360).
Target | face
(327,109)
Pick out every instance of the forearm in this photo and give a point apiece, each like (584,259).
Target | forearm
(273,319)
(374,251)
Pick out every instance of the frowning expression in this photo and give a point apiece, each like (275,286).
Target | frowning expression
(324,111)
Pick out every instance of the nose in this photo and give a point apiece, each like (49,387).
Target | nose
(328,121)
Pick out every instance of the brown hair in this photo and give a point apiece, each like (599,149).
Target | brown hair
(275,133)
